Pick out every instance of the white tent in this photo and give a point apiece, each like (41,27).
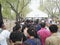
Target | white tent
(36,14)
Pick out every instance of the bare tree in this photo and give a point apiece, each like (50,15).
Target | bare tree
(51,7)
(18,13)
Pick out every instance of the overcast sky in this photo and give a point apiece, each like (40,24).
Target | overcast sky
(34,4)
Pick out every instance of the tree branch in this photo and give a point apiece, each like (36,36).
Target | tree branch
(12,7)
(47,10)
(25,5)
(57,6)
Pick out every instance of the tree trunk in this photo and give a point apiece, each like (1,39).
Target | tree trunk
(16,17)
(18,14)
(1,18)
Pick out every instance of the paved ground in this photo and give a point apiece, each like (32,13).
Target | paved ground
(9,24)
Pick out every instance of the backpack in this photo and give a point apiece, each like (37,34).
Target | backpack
(31,42)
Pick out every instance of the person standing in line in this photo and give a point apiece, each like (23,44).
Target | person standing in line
(33,37)
(4,34)
(54,39)
(16,38)
(17,27)
(43,33)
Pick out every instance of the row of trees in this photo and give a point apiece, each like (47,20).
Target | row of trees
(51,7)
(14,8)
(19,8)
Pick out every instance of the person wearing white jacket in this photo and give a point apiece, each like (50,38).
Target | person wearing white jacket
(4,35)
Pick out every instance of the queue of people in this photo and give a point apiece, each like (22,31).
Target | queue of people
(30,33)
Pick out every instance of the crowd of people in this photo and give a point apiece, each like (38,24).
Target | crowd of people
(30,33)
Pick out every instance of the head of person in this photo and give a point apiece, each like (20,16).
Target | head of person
(53,28)
(37,21)
(32,32)
(25,28)
(16,38)
(17,27)
(43,24)
(27,21)
(2,26)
